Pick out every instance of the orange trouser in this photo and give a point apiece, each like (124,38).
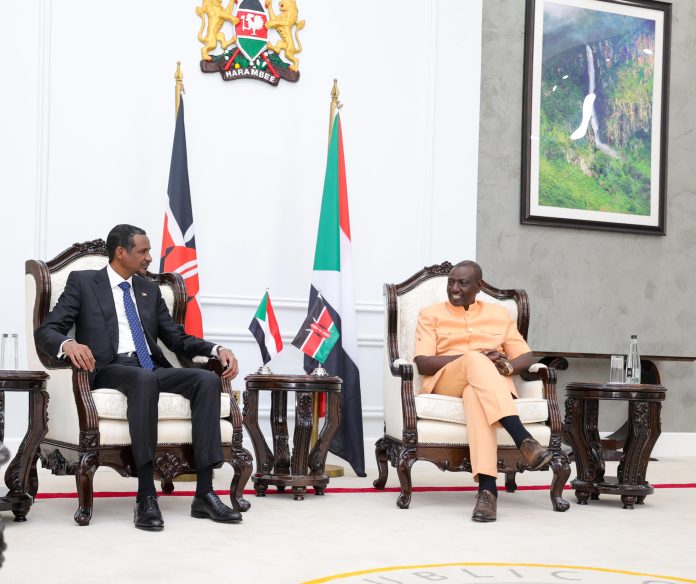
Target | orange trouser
(487,397)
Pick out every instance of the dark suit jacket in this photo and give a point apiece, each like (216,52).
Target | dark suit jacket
(88,302)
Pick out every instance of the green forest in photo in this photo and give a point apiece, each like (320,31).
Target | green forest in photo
(608,168)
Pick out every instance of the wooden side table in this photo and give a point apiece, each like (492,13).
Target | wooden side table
(580,427)
(277,467)
(20,477)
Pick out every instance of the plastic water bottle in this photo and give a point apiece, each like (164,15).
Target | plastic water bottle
(633,362)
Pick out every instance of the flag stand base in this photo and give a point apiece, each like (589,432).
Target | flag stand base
(333,470)
(264,370)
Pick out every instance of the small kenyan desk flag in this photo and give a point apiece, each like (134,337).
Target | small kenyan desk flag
(318,333)
(265,329)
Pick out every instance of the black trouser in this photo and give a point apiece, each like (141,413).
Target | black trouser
(142,388)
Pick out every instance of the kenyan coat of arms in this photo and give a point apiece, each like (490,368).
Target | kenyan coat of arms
(249,53)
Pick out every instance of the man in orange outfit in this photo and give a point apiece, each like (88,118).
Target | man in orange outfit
(469,349)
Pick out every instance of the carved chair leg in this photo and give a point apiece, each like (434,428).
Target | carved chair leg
(510,484)
(84,476)
(167,485)
(381,450)
(561,471)
(407,457)
(242,464)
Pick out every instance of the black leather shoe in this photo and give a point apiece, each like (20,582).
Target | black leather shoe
(210,506)
(147,514)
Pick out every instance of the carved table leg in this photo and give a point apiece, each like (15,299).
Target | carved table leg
(644,429)
(332,420)
(302,436)
(279,430)
(581,431)
(262,454)
(20,477)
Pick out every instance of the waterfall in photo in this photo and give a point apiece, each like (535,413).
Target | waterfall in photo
(591,92)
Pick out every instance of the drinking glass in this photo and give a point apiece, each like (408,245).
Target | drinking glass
(9,358)
(616,373)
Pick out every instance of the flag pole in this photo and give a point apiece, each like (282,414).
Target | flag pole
(331,470)
(178,88)
(335,104)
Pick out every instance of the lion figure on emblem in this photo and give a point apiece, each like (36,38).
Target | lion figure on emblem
(217,16)
(283,24)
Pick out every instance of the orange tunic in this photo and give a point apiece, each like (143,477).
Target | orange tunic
(444,329)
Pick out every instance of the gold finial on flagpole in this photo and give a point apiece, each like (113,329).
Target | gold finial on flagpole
(179,88)
(335,104)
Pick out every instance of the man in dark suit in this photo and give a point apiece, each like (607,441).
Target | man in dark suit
(118,316)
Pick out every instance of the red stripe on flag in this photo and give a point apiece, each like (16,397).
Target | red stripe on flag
(167,241)
(344,217)
(312,344)
(273,324)
(325,319)
(193,324)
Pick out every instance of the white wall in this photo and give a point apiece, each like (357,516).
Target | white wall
(86,126)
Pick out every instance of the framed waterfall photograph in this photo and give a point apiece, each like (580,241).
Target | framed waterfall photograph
(594,122)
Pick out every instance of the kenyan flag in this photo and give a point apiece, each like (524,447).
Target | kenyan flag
(252,34)
(318,333)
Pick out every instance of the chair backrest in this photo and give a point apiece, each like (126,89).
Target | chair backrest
(429,286)
(44,283)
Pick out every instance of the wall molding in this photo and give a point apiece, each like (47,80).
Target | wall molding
(282,302)
(43,127)
(244,336)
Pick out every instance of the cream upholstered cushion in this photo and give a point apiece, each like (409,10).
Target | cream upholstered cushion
(112,405)
(436,432)
(115,432)
(451,409)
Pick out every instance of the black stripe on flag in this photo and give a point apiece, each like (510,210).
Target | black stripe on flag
(348,442)
(260,337)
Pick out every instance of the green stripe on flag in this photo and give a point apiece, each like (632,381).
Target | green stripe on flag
(328,253)
(261,310)
(327,344)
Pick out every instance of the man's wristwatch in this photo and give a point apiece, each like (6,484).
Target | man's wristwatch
(509,368)
(220,349)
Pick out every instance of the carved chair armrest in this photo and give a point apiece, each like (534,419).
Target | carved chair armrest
(548,377)
(408,402)
(86,409)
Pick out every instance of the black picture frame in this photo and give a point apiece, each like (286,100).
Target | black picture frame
(611,172)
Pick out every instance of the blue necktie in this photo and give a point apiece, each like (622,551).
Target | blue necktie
(136,328)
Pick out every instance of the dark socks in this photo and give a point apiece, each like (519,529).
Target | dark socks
(146,481)
(487,483)
(514,427)
(204,482)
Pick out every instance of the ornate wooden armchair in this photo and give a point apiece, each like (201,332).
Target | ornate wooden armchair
(88,429)
(433,427)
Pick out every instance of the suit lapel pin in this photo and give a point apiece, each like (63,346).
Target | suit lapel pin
(143,293)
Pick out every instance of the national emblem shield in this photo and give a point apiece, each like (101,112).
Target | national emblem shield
(251,31)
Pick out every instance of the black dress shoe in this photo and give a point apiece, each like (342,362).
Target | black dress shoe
(210,506)
(147,514)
